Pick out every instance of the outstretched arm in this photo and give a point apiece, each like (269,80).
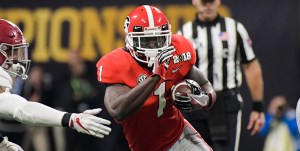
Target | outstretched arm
(18,108)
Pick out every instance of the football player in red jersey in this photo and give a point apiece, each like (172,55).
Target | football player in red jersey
(14,62)
(139,78)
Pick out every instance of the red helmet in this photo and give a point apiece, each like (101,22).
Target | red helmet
(148,32)
(13,50)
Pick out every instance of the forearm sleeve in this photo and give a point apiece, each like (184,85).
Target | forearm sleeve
(18,108)
(38,114)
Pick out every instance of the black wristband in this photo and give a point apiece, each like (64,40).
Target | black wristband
(65,120)
(258,106)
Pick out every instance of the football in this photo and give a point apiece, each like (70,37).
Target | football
(181,94)
(183,86)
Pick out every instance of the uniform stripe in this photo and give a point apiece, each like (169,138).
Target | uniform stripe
(236,58)
(217,57)
(201,46)
(247,44)
(150,15)
(221,48)
(232,49)
(225,52)
(195,32)
(210,56)
(195,35)
(100,73)
(238,126)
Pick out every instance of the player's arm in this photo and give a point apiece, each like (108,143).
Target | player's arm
(254,80)
(33,113)
(196,75)
(121,101)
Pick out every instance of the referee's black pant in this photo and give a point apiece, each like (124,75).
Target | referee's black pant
(228,112)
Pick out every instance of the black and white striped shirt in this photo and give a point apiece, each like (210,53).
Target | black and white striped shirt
(222,46)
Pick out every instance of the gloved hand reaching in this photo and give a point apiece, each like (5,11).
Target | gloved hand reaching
(6,145)
(89,124)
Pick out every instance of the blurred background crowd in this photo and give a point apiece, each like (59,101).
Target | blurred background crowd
(68,37)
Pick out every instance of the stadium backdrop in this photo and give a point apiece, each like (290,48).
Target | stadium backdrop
(54,27)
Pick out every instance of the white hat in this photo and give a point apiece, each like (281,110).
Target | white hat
(5,79)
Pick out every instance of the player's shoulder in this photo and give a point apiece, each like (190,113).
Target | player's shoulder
(182,44)
(116,53)
(176,38)
(112,67)
(114,57)
(185,52)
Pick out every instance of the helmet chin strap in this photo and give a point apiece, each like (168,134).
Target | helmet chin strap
(151,54)
(151,61)
(17,68)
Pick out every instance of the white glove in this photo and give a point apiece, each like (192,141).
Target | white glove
(161,62)
(87,123)
(190,102)
(6,145)
(202,99)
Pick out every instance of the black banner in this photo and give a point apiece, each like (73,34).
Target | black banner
(53,28)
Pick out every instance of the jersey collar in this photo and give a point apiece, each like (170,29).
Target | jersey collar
(207,23)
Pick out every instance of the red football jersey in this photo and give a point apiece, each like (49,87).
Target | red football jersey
(157,125)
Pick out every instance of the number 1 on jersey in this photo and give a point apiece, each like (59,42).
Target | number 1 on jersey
(160,92)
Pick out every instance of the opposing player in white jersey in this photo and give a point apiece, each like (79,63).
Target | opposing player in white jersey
(14,62)
(298,114)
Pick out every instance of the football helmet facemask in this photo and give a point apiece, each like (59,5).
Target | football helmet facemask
(148,32)
(13,50)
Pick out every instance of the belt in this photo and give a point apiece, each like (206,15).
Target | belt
(233,91)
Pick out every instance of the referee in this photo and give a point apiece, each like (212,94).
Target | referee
(223,47)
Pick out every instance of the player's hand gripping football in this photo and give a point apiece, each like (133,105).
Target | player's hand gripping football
(160,66)
(6,145)
(87,123)
(195,100)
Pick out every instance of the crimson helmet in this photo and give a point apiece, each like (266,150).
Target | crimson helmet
(13,50)
(148,32)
